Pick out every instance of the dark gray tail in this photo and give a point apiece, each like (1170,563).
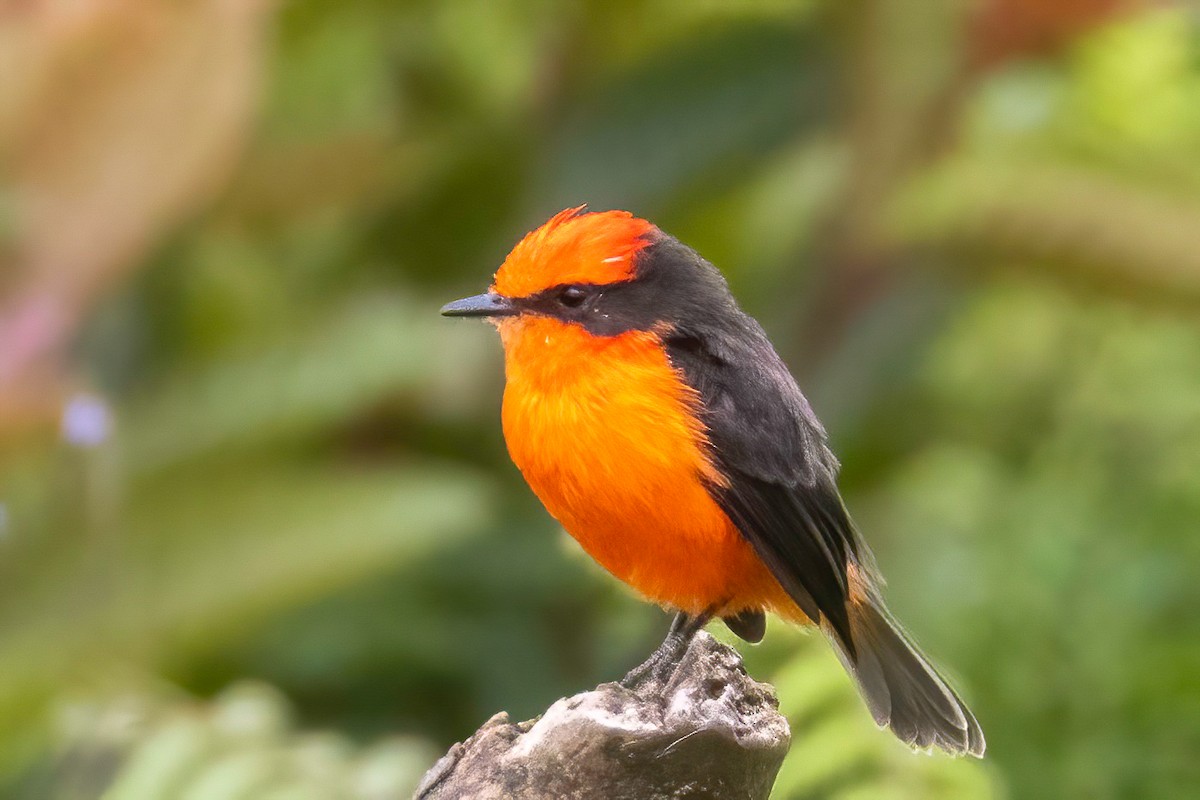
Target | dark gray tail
(902,689)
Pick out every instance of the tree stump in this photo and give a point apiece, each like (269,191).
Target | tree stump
(709,732)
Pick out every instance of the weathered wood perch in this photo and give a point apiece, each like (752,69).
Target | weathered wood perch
(710,732)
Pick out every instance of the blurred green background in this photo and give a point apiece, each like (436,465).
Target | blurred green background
(259,537)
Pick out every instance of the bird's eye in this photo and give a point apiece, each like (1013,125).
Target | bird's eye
(572,296)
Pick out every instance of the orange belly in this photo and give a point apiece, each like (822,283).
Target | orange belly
(603,431)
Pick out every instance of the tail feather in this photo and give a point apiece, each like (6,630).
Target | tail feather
(902,689)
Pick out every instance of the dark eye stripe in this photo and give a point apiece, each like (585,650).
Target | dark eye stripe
(673,288)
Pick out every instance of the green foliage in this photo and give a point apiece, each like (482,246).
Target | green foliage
(153,744)
(1087,485)
(837,752)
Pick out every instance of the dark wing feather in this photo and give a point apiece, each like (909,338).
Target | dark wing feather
(781,491)
(780,488)
(750,624)
(794,542)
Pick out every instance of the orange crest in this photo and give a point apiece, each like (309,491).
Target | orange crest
(574,247)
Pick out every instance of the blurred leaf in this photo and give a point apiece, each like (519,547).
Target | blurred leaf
(1064,440)
(319,376)
(116,120)
(210,555)
(1120,236)
(1135,85)
(838,753)
(155,744)
(706,107)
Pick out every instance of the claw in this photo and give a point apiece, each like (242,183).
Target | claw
(663,663)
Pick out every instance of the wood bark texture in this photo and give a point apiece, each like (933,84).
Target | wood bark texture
(710,731)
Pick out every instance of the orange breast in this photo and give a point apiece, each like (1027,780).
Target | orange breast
(602,429)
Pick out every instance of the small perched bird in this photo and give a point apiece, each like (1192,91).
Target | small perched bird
(657,424)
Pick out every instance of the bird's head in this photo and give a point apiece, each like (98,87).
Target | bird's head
(564,269)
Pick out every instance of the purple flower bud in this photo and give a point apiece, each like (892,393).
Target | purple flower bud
(86,421)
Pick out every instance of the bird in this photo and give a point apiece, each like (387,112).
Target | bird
(656,423)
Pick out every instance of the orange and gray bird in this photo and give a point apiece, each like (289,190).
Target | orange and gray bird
(656,423)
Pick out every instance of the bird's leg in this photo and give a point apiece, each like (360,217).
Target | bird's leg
(671,649)
(661,664)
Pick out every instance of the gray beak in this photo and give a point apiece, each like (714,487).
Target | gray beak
(481,305)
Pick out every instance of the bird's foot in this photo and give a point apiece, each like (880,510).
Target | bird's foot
(659,668)
(663,663)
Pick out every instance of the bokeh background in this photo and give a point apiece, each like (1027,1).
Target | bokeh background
(259,537)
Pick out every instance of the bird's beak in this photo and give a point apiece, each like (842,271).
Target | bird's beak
(489,304)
